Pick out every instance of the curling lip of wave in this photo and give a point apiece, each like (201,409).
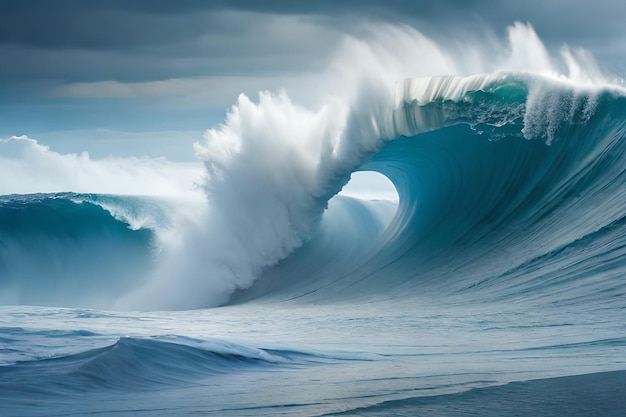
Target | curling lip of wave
(475,194)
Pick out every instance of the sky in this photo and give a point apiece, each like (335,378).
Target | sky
(149,76)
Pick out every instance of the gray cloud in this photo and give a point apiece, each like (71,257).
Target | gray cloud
(48,47)
(51,24)
(213,44)
(143,40)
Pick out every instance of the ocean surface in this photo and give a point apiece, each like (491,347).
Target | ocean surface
(493,285)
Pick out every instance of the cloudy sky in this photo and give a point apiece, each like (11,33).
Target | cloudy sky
(131,75)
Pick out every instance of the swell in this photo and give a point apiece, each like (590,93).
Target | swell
(146,364)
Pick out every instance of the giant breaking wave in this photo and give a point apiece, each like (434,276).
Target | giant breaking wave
(510,185)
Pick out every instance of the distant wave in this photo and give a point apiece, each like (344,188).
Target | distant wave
(60,249)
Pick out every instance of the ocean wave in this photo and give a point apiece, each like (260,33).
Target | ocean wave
(144,364)
(484,194)
(498,175)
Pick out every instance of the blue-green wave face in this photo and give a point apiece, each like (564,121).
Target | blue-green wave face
(501,198)
(482,203)
(511,187)
(56,249)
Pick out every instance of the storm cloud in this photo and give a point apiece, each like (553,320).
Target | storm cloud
(61,58)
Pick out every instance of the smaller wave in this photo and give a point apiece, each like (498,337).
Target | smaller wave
(140,364)
(60,249)
(85,250)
